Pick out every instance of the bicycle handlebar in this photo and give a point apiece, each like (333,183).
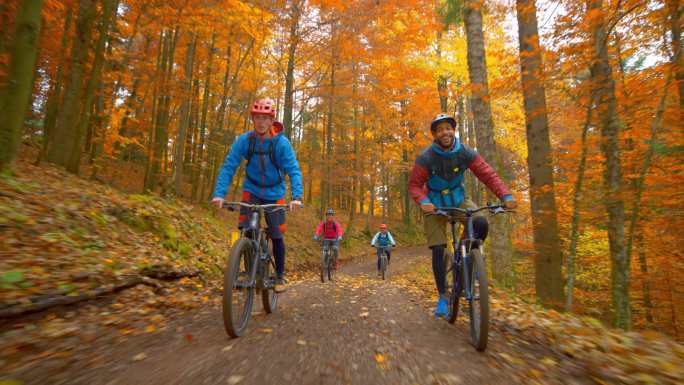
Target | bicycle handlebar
(232,205)
(447,211)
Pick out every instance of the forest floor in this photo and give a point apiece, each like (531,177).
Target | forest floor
(146,274)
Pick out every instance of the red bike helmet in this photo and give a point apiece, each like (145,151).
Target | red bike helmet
(383,227)
(263,106)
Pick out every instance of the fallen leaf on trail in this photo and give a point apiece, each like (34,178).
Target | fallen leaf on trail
(188,337)
(301,342)
(364,314)
(139,357)
(150,329)
(232,380)
(510,359)
(548,361)
(227,348)
(266,330)
(379,358)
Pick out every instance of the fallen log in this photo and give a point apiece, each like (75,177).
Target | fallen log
(146,277)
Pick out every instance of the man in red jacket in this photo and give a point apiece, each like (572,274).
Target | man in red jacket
(437,180)
(331,231)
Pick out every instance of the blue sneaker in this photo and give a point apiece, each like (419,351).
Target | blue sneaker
(441,309)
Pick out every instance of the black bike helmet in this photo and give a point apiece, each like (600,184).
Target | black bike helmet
(441,118)
(330,212)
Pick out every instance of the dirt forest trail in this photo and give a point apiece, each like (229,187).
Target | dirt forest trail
(355,330)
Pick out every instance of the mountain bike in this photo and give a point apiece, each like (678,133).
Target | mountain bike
(250,267)
(327,260)
(384,262)
(468,278)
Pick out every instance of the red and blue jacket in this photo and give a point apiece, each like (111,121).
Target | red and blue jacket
(438,174)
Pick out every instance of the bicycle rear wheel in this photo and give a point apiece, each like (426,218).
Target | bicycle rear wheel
(455,290)
(478,308)
(269,297)
(238,294)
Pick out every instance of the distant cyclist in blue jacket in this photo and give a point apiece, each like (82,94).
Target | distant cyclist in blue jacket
(269,156)
(383,241)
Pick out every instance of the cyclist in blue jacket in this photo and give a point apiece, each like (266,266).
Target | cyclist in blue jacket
(269,156)
(383,241)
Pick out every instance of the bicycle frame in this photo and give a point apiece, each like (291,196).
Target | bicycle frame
(258,237)
(328,245)
(463,246)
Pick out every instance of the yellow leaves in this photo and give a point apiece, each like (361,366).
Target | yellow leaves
(11,382)
(139,357)
(379,358)
(510,359)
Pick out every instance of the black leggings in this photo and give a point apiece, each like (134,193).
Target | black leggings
(439,263)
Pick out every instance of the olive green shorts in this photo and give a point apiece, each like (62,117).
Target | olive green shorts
(436,225)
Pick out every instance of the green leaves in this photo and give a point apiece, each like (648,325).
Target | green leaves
(451,12)
(11,279)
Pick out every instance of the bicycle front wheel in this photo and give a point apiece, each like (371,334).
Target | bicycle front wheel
(478,301)
(269,297)
(331,268)
(383,266)
(238,291)
(324,266)
(455,290)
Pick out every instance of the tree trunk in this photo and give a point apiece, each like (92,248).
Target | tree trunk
(289,75)
(604,87)
(371,203)
(329,133)
(160,126)
(218,134)
(576,199)
(676,12)
(645,166)
(484,129)
(646,284)
(184,116)
(200,160)
(55,93)
(66,129)
(441,79)
(548,258)
(355,122)
(15,96)
(108,17)
(313,154)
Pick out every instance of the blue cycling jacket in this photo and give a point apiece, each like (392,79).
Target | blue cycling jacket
(264,179)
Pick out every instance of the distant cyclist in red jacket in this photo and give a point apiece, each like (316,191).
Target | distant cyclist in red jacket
(331,232)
